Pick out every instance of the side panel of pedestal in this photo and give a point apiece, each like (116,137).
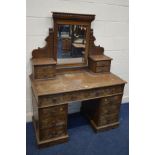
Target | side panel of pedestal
(103,113)
(50,124)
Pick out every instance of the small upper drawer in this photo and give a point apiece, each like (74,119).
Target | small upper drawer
(46,71)
(103,63)
(103,69)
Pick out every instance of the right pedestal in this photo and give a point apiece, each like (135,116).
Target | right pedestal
(103,113)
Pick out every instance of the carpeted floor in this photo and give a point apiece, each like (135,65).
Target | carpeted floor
(83,140)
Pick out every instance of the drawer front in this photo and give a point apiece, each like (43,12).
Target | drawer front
(52,122)
(53,132)
(41,72)
(52,116)
(53,111)
(108,119)
(103,69)
(103,63)
(110,109)
(80,95)
(47,123)
(111,101)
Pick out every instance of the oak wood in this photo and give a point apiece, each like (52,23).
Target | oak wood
(73,16)
(104,127)
(55,85)
(99,63)
(71,20)
(99,57)
(47,50)
(44,71)
(48,142)
(43,61)
(103,113)
(82,80)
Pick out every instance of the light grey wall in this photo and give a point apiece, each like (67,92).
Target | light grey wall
(111,29)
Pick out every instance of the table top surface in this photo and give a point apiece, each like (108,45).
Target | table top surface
(75,81)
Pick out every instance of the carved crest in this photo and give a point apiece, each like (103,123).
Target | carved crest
(47,50)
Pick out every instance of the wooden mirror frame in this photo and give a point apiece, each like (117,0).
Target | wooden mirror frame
(49,51)
(72,19)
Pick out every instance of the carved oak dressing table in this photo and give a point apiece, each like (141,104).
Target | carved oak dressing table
(61,75)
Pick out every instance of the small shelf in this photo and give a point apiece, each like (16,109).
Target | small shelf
(99,57)
(43,61)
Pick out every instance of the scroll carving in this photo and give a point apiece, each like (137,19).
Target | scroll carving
(47,50)
(93,49)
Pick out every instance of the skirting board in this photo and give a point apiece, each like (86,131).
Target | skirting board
(29,114)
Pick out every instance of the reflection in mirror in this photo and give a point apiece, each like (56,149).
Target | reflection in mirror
(71,44)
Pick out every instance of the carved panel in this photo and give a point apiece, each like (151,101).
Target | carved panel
(93,49)
(99,66)
(47,50)
(102,69)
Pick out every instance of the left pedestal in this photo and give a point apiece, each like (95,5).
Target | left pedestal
(50,123)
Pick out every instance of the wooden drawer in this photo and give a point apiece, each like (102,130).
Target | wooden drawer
(35,111)
(108,119)
(44,71)
(102,69)
(109,109)
(98,66)
(80,95)
(52,116)
(53,132)
(103,63)
(111,101)
(47,123)
(52,122)
(53,111)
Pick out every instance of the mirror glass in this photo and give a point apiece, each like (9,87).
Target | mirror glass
(71,44)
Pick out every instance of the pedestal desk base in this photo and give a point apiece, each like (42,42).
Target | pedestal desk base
(49,142)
